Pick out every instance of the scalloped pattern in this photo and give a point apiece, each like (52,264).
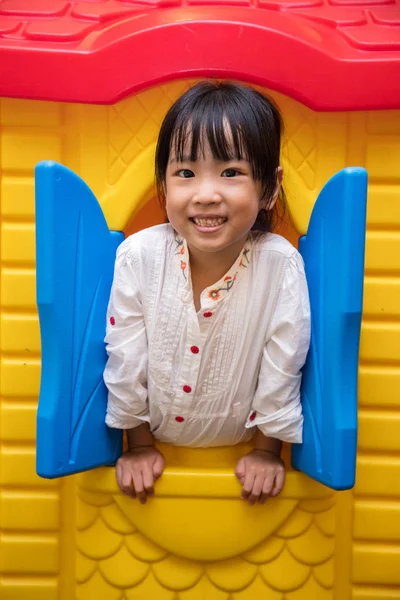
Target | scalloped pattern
(293,564)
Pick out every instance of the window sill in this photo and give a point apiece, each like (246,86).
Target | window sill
(205,473)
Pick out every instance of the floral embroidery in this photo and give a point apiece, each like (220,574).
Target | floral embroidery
(214,294)
(180,251)
(184,267)
(228,281)
(223,286)
(180,246)
(245,258)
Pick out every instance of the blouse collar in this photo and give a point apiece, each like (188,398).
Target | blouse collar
(219,290)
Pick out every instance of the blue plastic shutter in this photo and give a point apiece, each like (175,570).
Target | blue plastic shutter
(75,254)
(333,252)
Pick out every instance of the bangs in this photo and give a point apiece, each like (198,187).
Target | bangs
(230,132)
(214,128)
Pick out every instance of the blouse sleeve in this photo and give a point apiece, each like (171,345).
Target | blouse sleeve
(276,403)
(125,374)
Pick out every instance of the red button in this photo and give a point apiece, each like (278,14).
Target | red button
(179,419)
(207,314)
(195,349)
(187,389)
(112,320)
(252,416)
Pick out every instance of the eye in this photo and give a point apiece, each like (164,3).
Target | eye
(185,173)
(230,173)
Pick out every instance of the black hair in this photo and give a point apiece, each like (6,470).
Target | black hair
(255,128)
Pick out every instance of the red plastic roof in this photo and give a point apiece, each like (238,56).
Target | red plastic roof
(329,54)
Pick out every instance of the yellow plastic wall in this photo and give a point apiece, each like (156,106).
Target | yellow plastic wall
(78,538)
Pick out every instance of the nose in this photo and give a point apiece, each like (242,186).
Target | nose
(206,192)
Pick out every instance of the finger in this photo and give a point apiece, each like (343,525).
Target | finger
(125,482)
(257,489)
(279,483)
(142,496)
(247,484)
(240,470)
(139,487)
(158,467)
(268,484)
(148,481)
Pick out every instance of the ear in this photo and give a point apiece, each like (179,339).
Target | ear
(279,178)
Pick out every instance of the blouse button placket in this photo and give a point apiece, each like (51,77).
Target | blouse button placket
(190,369)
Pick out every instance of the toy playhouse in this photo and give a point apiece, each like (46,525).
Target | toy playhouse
(83,87)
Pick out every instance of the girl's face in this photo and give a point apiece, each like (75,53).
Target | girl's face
(211,203)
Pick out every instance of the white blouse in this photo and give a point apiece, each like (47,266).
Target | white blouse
(207,378)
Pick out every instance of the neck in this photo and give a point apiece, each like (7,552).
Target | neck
(215,264)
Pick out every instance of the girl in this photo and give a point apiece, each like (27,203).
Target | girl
(208,324)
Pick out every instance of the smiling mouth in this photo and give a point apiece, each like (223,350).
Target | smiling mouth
(208,222)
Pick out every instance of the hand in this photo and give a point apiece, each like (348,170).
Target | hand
(262,474)
(137,470)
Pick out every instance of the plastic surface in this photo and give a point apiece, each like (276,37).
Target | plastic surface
(75,255)
(333,252)
(78,537)
(339,55)
(72,298)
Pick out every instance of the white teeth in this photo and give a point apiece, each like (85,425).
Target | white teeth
(209,222)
